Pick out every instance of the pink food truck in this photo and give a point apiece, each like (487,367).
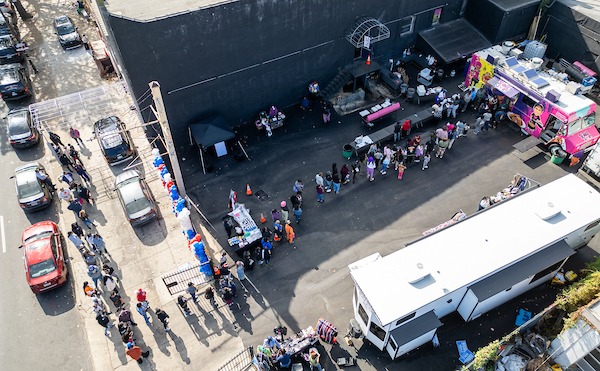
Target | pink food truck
(542,102)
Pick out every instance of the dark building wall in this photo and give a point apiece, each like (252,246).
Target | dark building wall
(241,57)
(571,35)
(501,20)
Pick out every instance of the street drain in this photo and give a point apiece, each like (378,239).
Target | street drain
(262,195)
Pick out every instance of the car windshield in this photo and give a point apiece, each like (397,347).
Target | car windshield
(113,151)
(64,28)
(582,123)
(42,268)
(18,127)
(38,236)
(8,77)
(28,189)
(137,205)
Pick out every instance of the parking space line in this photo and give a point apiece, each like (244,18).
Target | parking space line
(2,234)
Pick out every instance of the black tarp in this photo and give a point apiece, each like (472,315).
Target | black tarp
(501,20)
(211,130)
(572,31)
(452,41)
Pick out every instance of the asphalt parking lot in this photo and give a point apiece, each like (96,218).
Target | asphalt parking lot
(312,280)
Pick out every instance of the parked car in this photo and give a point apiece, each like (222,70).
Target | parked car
(45,267)
(67,33)
(4,27)
(114,140)
(135,197)
(32,193)
(15,83)
(21,132)
(8,50)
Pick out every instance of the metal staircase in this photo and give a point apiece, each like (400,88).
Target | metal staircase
(334,85)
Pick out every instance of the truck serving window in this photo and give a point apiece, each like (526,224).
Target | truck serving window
(377,331)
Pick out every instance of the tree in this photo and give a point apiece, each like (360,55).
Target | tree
(21,10)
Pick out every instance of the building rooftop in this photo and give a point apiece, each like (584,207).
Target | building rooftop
(151,10)
(464,253)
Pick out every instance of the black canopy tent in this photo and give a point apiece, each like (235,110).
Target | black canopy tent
(452,41)
(210,131)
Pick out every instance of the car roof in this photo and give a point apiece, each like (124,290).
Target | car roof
(38,250)
(17,116)
(39,227)
(128,184)
(62,19)
(27,167)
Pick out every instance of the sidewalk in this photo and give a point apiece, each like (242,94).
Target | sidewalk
(141,256)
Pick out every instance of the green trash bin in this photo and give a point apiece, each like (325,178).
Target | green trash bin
(558,155)
(347,151)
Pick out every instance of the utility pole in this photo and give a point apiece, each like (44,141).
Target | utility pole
(161,116)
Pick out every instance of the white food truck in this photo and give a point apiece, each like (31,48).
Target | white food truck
(472,266)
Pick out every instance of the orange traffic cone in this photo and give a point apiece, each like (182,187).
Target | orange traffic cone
(248,190)
(262,218)
(369,60)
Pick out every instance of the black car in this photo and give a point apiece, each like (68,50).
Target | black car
(8,50)
(114,140)
(14,82)
(67,33)
(21,132)
(4,27)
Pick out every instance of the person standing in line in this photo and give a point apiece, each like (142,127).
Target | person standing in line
(289,231)
(95,274)
(298,186)
(125,316)
(277,231)
(371,169)
(320,194)
(182,302)
(239,269)
(326,115)
(86,219)
(55,138)
(82,172)
(163,317)
(442,145)
(487,117)
(478,125)
(426,160)
(319,179)
(336,183)
(275,215)
(210,295)
(67,177)
(452,135)
(191,289)
(142,311)
(406,128)
(75,228)
(384,165)
(328,181)
(104,321)
(98,243)
(65,194)
(397,132)
(298,210)
(76,135)
(285,212)
(136,353)
(345,173)
(355,170)
(75,239)
(401,169)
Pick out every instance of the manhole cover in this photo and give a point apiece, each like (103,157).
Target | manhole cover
(262,195)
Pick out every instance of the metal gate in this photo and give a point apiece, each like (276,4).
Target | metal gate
(178,281)
(241,362)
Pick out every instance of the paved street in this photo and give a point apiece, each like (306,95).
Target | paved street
(50,325)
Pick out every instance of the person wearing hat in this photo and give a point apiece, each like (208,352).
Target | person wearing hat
(136,353)
(285,212)
(289,231)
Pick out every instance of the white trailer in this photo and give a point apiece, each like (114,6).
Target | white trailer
(472,266)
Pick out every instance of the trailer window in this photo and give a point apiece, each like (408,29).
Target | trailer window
(363,314)
(528,101)
(393,344)
(405,318)
(377,331)
(581,123)
(592,225)
(545,272)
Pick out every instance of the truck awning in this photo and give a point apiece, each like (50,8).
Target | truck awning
(415,328)
(503,86)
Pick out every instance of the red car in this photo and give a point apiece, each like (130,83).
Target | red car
(44,259)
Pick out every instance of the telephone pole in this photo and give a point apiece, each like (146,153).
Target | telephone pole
(161,116)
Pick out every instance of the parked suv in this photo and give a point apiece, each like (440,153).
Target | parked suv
(135,197)
(8,50)
(114,140)
(14,82)
(21,132)
(67,33)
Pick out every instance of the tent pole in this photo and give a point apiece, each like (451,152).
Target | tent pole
(202,160)
(243,150)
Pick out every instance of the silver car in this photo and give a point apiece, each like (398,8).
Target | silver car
(33,194)
(135,197)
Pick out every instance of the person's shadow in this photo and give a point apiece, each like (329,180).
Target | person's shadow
(180,346)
